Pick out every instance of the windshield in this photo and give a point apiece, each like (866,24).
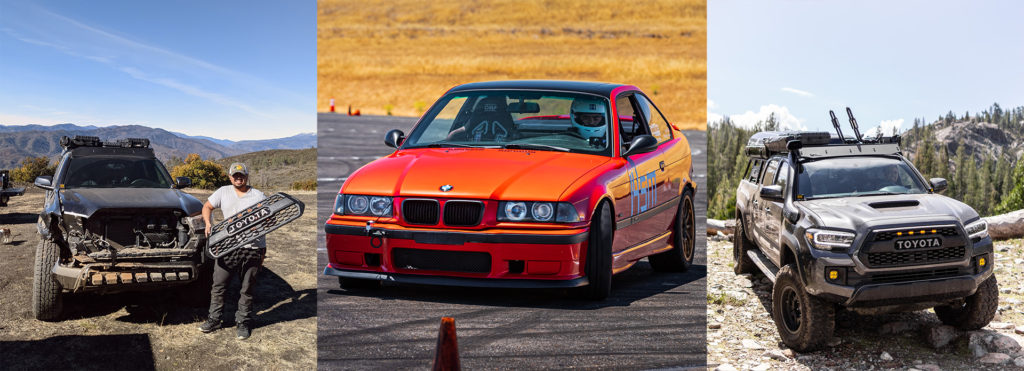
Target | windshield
(550,121)
(116,172)
(856,176)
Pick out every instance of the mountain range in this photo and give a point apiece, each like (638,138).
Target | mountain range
(21,141)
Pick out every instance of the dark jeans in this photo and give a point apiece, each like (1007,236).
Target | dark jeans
(227,267)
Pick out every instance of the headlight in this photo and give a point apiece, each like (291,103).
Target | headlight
(339,204)
(529,211)
(827,240)
(978,229)
(363,205)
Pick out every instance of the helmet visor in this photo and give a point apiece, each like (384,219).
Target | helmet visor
(589,119)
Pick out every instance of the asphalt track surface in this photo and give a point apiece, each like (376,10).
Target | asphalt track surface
(651,320)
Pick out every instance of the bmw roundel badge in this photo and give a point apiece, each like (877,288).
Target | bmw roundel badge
(446,188)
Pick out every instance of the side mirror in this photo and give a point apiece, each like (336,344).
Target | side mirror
(772,193)
(394,138)
(938,184)
(641,144)
(182,182)
(44,182)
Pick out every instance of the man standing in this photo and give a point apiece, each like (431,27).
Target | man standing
(245,261)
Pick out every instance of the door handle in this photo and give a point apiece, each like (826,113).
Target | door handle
(662,165)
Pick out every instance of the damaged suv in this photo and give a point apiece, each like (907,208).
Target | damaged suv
(840,222)
(114,220)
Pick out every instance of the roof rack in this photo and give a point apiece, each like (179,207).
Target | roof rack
(813,144)
(90,141)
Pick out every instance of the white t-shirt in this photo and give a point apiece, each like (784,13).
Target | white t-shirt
(230,204)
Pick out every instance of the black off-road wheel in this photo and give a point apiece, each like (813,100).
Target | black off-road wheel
(47,303)
(805,322)
(357,284)
(976,311)
(684,236)
(598,262)
(741,263)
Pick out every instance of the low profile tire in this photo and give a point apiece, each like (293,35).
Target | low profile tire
(680,257)
(740,245)
(357,284)
(598,264)
(46,291)
(805,322)
(976,311)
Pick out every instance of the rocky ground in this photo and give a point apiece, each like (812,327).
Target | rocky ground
(742,335)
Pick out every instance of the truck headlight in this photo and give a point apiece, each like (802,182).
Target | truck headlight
(537,211)
(977,230)
(823,239)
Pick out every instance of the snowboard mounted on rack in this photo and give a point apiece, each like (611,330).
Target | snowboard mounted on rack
(252,223)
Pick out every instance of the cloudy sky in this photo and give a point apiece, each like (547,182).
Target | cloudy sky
(890,61)
(226,69)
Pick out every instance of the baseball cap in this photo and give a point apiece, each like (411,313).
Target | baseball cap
(238,167)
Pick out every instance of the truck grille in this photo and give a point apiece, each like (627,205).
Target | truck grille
(420,211)
(892,259)
(440,260)
(915,276)
(463,213)
(889,235)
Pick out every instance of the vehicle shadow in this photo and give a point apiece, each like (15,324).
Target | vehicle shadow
(274,301)
(81,352)
(637,283)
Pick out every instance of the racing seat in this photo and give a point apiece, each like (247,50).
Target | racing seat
(490,121)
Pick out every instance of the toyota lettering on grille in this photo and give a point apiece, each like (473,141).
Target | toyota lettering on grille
(260,214)
(918,243)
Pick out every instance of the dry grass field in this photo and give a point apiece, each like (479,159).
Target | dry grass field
(400,56)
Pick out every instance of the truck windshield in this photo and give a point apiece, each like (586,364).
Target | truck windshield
(856,176)
(116,172)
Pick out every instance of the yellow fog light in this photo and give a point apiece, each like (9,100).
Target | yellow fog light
(981,262)
(833,274)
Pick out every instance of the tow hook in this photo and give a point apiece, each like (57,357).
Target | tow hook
(376,235)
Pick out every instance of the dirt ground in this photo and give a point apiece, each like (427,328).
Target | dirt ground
(157,330)
(742,335)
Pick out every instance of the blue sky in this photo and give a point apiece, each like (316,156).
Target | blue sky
(226,69)
(890,61)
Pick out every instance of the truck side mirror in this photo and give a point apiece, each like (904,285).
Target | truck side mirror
(641,144)
(394,138)
(938,184)
(182,182)
(44,182)
(772,193)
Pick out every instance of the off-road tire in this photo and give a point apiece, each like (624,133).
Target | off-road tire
(46,291)
(976,311)
(357,284)
(740,245)
(598,264)
(805,322)
(684,235)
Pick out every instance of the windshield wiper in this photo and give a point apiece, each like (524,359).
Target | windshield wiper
(445,145)
(542,147)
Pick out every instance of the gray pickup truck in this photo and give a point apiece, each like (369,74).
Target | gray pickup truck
(834,221)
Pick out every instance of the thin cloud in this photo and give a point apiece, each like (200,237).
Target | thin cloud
(885,127)
(798,92)
(786,120)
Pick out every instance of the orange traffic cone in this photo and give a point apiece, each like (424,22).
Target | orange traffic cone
(446,357)
(356,113)
(332,104)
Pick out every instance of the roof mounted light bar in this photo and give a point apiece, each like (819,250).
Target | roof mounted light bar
(90,141)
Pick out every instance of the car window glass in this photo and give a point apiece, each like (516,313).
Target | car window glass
(656,124)
(116,172)
(782,179)
(442,123)
(861,176)
(755,170)
(769,172)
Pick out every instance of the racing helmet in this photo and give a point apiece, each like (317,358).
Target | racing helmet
(588,117)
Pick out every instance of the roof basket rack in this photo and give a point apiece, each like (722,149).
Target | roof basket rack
(89,141)
(764,144)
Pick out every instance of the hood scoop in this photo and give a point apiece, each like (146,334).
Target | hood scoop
(894,204)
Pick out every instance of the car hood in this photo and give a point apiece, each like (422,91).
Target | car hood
(853,212)
(86,201)
(496,174)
